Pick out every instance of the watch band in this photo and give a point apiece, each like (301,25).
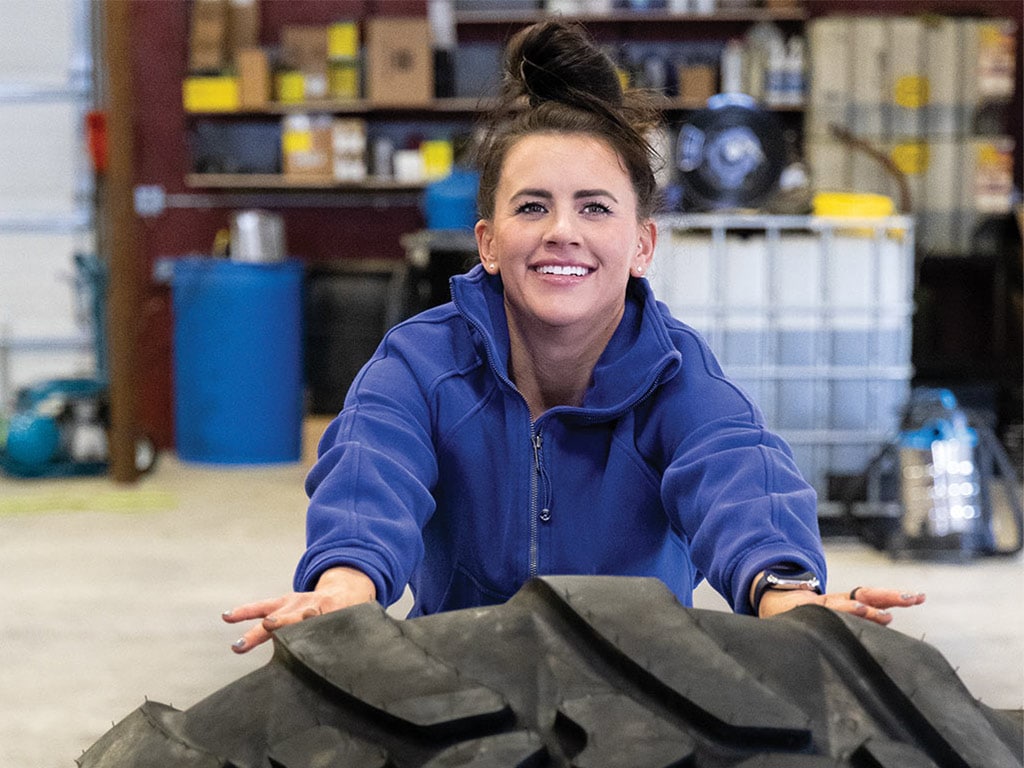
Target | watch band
(783,579)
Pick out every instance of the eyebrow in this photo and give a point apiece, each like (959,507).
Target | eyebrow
(578,195)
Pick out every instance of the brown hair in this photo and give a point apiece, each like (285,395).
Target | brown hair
(556,80)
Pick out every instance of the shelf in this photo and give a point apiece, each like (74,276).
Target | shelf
(723,15)
(355,107)
(452,106)
(280,181)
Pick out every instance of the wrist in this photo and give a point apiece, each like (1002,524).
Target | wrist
(781,578)
(347,578)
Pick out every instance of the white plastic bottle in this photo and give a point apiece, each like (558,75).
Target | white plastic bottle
(794,78)
(732,67)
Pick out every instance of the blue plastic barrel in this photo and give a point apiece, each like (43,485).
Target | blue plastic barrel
(237,361)
(450,203)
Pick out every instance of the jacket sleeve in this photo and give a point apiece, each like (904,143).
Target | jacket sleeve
(732,485)
(370,490)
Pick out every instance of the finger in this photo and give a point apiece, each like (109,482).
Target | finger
(294,611)
(263,631)
(887,598)
(254,637)
(842,604)
(249,611)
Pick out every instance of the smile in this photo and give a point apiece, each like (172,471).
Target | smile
(557,269)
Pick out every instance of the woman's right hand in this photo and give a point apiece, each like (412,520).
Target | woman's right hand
(336,588)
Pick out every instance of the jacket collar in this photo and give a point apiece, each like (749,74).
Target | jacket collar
(638,357)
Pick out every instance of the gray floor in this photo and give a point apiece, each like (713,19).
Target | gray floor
(113,594)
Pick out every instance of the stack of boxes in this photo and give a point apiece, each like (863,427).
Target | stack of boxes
(931,94)
(316,67)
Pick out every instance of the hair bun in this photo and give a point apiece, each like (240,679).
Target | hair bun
(554,61)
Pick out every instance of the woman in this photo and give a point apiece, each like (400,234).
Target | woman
(554,418)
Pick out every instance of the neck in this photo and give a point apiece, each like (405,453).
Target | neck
(553,366)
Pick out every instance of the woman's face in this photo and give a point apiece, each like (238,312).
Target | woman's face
(565,235)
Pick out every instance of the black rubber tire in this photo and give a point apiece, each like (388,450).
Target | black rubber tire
(584,672)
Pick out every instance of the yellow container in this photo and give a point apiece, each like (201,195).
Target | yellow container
(852,205)
(438,158)
(343,40)
(214,93)
(343,78)
(290,87)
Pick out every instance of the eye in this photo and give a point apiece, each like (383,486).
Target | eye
(596,208)
(531,206)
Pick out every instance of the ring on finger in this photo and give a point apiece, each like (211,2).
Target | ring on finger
(853,593)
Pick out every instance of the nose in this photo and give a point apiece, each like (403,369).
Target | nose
(561,228)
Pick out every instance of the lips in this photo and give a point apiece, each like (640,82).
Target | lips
(572,270)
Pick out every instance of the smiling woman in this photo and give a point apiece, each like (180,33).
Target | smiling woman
(554,418)
(565,237)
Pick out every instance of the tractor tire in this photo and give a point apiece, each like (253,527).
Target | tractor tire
(589,672)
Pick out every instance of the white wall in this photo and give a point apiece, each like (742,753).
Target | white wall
(45,190)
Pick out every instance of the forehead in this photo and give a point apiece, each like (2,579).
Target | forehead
(564,158)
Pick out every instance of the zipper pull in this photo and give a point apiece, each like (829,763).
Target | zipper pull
(545,512)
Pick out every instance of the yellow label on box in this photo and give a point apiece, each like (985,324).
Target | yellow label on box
(290,87)
(911,91)
(219,93)
(911,157)
(343,39)
(293,142)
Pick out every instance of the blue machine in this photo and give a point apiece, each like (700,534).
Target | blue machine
(59,427)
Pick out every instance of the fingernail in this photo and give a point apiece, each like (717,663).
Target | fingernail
(239,644)
(226,614)
(911,596)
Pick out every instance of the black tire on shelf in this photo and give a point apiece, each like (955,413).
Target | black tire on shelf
(584,672)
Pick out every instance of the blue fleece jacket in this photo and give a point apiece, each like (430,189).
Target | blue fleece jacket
(434,474)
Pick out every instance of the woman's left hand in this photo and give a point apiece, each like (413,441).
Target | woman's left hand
(869,603)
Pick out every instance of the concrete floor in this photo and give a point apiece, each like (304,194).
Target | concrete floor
(113,594)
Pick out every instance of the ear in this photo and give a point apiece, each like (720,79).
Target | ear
(484,243)
(647,238)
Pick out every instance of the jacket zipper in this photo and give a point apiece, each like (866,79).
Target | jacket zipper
(540,501)
(535,441)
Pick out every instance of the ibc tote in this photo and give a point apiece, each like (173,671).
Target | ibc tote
(237,361)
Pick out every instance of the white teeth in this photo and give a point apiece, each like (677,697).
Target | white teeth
(556,269)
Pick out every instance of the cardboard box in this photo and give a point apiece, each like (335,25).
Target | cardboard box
(243,25)
(349,149)
(697,82)
(304,49)
(208,29)
(306,146)
(399,60)
(253,69)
